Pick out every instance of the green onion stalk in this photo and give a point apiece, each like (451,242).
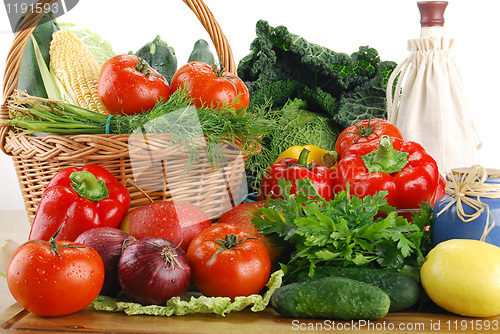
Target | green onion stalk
(33,114)
(177,116)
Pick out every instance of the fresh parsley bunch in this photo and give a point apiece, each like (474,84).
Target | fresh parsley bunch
(346,231)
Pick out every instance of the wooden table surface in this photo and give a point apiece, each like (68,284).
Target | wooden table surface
(16,319)
(13,318)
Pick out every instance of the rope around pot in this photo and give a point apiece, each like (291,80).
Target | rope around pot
(467,188)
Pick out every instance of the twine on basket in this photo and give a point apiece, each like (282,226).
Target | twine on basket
(468,188)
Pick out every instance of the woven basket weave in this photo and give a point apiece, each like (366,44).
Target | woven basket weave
(157,166)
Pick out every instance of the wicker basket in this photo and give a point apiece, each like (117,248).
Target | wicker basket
(157,165)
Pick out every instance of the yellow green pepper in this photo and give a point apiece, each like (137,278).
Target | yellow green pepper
(317,155)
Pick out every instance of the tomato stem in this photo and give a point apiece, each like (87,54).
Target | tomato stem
(53,244)
(231,241)
(142,65)
(364,131)
(219,68)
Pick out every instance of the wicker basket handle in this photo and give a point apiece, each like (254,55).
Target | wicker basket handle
(14,57)
(211,25)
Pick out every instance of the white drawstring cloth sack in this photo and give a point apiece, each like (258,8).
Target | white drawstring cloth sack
(432,108)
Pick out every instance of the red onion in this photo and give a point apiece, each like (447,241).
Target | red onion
(109,243)
(152,270)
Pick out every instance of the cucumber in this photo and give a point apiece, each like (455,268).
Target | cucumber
(162,59)
(403,290)
(201,52)
(30,78)
(331,298)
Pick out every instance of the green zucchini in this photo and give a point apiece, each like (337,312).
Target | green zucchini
(160,57)
(201,52)
(331,298)
(403,290)
(30,78)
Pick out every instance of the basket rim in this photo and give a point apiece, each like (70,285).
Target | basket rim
(21,37)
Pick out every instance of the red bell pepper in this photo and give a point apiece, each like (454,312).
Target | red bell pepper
(322,177)
(79,199)
(404,169)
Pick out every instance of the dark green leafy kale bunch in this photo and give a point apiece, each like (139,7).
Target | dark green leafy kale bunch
(283,66)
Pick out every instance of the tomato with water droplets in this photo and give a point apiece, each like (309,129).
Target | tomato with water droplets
(211,86)
(364,131)
(226,261)
(128,85)
(54,278)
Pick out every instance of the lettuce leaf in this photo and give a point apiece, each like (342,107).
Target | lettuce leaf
(193,304)
(7,249)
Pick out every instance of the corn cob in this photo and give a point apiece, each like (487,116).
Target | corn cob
(76,68)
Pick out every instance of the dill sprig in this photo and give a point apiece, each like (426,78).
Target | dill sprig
(177,116)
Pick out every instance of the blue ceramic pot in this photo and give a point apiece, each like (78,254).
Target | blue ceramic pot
(448,225)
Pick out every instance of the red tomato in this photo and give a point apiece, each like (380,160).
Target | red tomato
(127,88)
(228,262)
(364,131)
(210,86)
(241,215)
(50,281)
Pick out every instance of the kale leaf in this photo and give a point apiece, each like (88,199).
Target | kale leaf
(282,66)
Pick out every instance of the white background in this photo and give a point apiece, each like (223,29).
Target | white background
(342,26)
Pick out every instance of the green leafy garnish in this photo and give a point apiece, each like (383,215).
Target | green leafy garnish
(345,231)
(195,129)
(191,305)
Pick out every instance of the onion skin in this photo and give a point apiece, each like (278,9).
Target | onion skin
(152,270)
(109,242)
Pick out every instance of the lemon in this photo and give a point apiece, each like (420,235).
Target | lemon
(463,277)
